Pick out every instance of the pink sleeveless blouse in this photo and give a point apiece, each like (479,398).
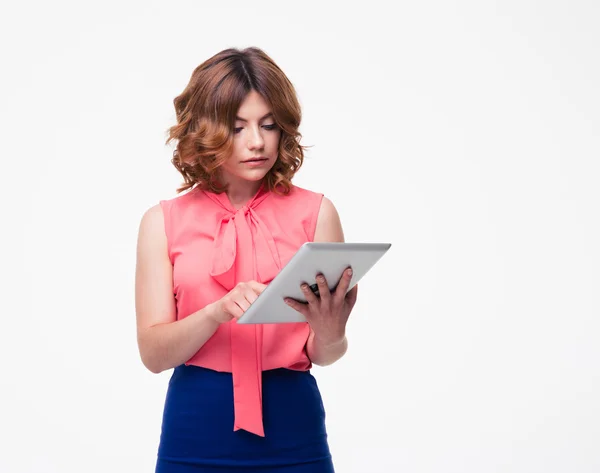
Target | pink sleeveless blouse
(212,247)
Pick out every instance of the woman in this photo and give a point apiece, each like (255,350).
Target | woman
(241,397)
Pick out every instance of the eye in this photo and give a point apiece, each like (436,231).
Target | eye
(266,127)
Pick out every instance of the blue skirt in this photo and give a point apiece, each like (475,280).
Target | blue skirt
(197,426)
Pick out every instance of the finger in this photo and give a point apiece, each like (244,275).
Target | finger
(343,285)
(257,287)
(233,309)
(242,302)
(310,296)
(351,296)
(298,306)
(324,292)
(250,295)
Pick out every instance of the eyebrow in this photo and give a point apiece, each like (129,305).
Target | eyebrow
(261,118)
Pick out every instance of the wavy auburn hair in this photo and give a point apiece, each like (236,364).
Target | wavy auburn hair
(206,112)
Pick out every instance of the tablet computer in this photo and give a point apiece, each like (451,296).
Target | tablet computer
(312,258)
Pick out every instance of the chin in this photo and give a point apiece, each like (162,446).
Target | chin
(254,175)
(251,175)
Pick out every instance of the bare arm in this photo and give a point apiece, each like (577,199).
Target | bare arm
(325,349)
(164,342)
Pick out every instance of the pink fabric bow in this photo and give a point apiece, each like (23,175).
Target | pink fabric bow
(244,249)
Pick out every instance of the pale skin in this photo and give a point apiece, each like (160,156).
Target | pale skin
(165,342)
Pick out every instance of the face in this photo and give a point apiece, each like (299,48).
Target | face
(255,142)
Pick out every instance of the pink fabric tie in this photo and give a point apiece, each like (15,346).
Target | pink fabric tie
(244,249)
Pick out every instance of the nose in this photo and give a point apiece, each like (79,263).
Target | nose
(255,139)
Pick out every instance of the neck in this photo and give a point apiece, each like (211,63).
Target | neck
(241,192)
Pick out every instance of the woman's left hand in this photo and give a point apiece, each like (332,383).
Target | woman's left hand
(327,314)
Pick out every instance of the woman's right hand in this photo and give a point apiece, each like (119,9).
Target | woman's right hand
(236,302)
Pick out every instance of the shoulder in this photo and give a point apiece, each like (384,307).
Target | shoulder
(299,200)
(152,237)
(329,225)
(297,193)
(152,221)
(156,220)
(327,210)
(174,209)
(302,190)
(180,200)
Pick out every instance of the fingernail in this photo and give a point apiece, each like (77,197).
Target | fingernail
(320,278)
(287,301)
(349,271)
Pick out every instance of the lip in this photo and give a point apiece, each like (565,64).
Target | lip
(259,161)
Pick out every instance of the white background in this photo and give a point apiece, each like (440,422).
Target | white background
(466,133)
